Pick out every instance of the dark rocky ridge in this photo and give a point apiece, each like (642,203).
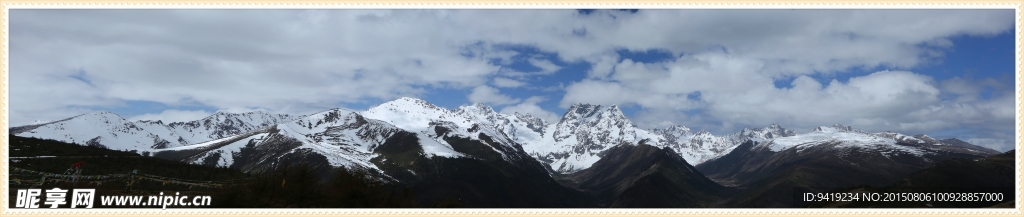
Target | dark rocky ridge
(768,178)
(646,176)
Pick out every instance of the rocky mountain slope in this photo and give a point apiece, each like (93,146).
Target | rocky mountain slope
(109,130)
(646,176)
(822,160)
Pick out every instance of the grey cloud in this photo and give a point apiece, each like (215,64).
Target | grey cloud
(298,60)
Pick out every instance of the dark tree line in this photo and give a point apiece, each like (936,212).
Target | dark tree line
(300,186)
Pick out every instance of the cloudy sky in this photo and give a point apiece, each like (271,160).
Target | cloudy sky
(946,73)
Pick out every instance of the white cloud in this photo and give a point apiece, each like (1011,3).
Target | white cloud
(667,85)
(967,90)
(546,66)
(662,118)
(995,144)
(961,86)
(529,106)
(490,95)
(507,83)
(232,58)
(299,60)
(602,65)
(597,92)
(735,92)
(170,116)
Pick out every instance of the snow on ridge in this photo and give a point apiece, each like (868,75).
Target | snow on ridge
(198,145)
(676,130)
(572,143)
(845,139)
(226,152)
(407,114)
(585,130)
(701,146)
(412,114)
(103,128)
(114,132)
(900,137)
(836,128)
(219,125)
(432,147)
(336,156)
(418,116)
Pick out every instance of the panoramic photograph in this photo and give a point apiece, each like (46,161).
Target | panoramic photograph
(502,108)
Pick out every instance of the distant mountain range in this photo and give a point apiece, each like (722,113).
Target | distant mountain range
(593,156)
(110,130)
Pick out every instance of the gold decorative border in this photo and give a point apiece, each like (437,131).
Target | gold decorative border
(5,6)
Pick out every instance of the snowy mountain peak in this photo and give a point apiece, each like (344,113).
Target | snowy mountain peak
(527,116)
(675,131)
(151,121)
(410,100)
(595,117)
(774,126)
(101,129)
(615,112)
(219,125)
(588,111)
(679,128)
(899,137)
(480,107)
(925,138)
(482,114)
(584,131)
(705,136)
(219,115)
(408,104)
(836,128)
(531,120)
(260,118)
(770,132)
(103,114)
(517,124)
(839,137)
(477,110)
(470,121)
(581,110)
(328,118)
(412,114)
(224,115)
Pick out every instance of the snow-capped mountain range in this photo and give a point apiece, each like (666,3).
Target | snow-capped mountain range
(112,131)
(349,138)
(885,142)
